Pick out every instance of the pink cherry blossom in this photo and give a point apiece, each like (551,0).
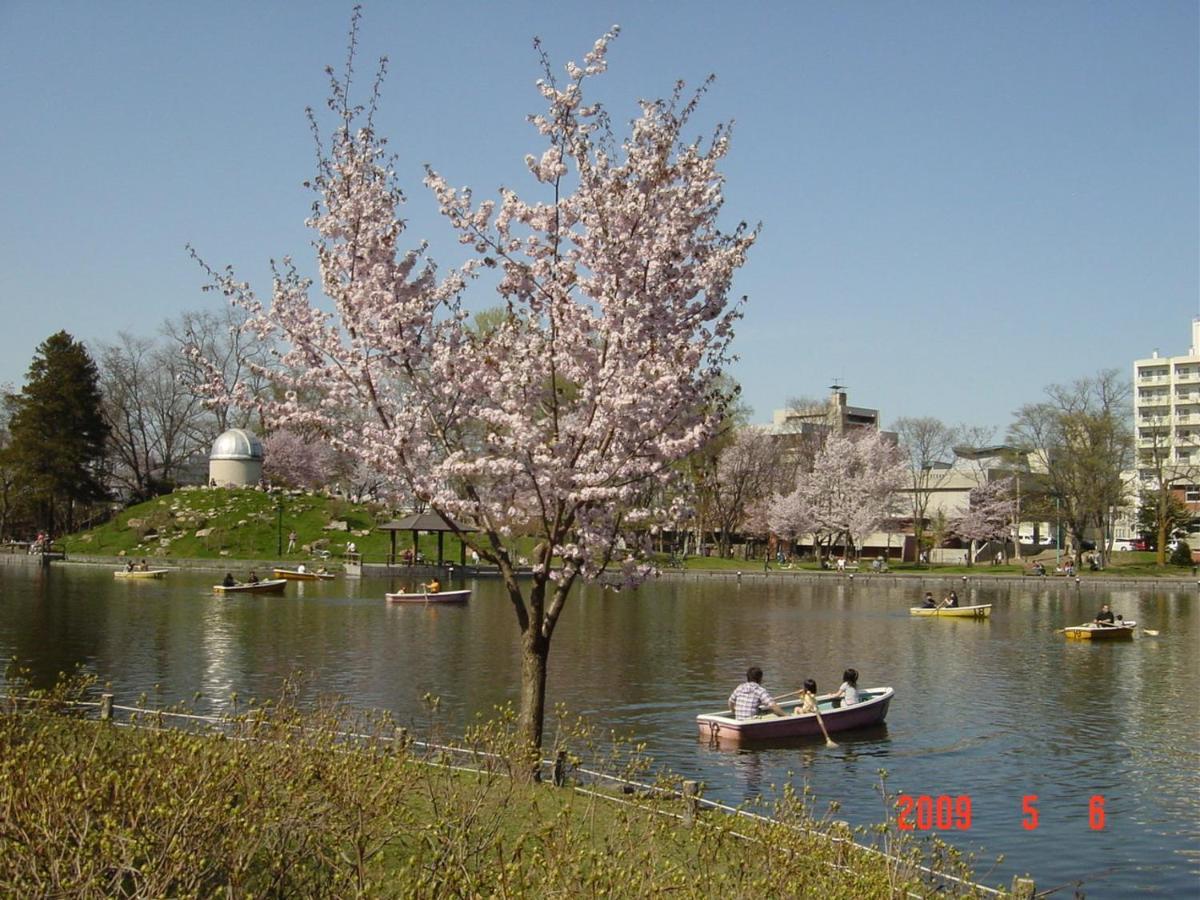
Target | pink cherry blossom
(564,420)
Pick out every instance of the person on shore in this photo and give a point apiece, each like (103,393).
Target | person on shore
(750,697)
(1105,617)
(291,541)
(848,692)
(929,602)
(228,581)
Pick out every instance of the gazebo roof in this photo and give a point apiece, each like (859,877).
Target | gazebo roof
(426,521)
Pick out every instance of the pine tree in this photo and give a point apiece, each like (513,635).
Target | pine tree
(58,432)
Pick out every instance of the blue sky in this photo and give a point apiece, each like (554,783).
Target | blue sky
(962,201)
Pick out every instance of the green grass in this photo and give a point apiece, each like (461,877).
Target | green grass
(288,807)
(205,523)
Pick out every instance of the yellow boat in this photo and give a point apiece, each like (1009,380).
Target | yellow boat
(982,611)
(140,573)
(1090,631)
(297,575)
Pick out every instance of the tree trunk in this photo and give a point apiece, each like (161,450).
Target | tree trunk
(535,651)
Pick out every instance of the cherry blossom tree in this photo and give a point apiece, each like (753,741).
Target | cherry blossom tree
(563,417)
(745,474)
(293,460)
(989,516)
(852,488)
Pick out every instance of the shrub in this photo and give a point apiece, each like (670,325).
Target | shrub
(1181,555)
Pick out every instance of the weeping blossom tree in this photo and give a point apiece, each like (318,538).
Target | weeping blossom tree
(991,509)
(564,416)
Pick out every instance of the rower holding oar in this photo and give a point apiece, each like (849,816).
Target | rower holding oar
(808,706)
(1105,618)
(750,697)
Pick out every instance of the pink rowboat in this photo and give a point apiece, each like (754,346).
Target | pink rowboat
(723,728)
(438,597)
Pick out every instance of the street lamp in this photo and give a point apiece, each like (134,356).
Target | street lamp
(1057,537)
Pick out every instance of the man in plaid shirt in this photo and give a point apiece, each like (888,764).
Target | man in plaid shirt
(747,699)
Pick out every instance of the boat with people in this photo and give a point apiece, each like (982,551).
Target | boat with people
(267,586)
(140,573)
(430,597)
(871,710)
(1122,630)
(302,575)
(979,611)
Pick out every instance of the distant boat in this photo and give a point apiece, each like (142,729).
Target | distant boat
(140,573)
(270,586)
(982,611)
(436,597)
(297,575)
(871,710)
(1090,631)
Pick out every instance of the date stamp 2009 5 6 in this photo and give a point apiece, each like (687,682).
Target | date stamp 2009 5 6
(953,813)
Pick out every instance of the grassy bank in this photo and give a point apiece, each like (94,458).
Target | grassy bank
(220,523)
(215,523)
(285,805)
(1122,565)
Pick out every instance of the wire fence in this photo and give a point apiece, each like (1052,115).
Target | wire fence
(687,802)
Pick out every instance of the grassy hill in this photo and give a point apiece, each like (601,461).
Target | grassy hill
(202,523)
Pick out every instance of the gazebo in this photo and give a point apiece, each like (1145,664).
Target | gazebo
(426,521)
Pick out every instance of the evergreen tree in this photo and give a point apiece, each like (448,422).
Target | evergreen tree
(58,433)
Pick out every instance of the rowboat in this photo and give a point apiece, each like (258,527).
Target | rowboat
(1090,631)
(871,710)
(981,611)
(438,597)
(296,575)
(140,573)
(269,586)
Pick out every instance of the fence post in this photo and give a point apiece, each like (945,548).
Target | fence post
(400,738)
(690,803)
(1023,888)
(106,704)
(560,768)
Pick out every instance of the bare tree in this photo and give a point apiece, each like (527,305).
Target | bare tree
(236,352)
(745,474)
(154,419)
(1081,437)
(1160,474)
(928,446)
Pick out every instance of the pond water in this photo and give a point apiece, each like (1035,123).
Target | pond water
(995,710)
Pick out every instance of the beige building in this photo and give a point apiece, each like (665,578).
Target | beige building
(835,415)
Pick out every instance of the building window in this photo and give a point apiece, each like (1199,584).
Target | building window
(1191,493)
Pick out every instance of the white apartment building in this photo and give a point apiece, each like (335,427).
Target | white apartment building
(1166,417)
(1167,411)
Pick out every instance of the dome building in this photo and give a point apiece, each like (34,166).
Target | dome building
(236,459)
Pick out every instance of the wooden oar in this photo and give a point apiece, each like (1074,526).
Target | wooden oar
(1150,631)
(821,722)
